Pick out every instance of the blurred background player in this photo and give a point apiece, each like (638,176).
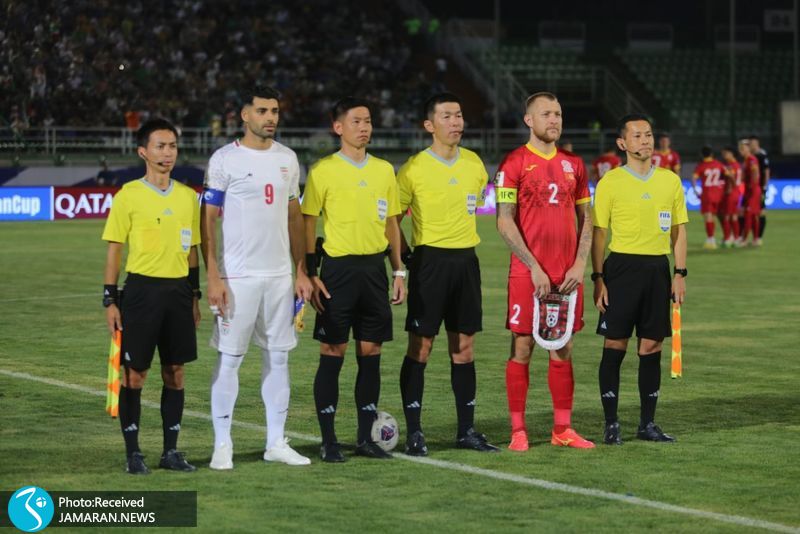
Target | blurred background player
(751,202)
(540,192)
(254,183)
(161,220)
(645,209)
(356,194)
(711,173)
(665,157)
(732,197)
(443,185)
(765,174)
(605,162)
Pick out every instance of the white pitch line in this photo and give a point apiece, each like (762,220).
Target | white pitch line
(50,297)
(472,470)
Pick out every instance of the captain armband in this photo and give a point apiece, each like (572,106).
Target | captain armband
(506,194)
(213,197)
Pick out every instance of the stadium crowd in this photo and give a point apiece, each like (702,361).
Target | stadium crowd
(104,63)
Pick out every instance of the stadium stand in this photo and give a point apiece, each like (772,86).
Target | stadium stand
(106,63)
(693,85)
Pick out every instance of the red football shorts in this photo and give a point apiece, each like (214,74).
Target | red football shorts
(709,205)
(519,318)
(752,202)
(731,202)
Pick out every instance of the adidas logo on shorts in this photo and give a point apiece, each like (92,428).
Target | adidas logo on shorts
(603,326)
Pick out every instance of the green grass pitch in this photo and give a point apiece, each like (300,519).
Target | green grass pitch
(735,411)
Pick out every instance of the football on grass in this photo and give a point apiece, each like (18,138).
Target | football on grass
(385,431)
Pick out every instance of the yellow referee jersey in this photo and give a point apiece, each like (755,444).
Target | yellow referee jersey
(354,199)
(640,210)
(161,227)
(443,196)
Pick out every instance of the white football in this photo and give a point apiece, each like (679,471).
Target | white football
(385,431)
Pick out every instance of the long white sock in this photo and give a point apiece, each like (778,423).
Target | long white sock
(275,393)
(224,390)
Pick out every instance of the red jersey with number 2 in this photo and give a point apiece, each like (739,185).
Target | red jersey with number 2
(548,186)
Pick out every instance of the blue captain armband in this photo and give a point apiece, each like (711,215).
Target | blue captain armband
(214,197)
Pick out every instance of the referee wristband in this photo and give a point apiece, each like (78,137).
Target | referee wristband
(311,264)
(595,276)
(194,278)
(399,274)
(110,294)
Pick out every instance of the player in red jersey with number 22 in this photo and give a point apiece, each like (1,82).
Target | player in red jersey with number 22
(540,191)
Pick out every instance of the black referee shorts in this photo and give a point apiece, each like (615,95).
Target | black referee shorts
(157,312)
(359,290)
(639,295)
(445,284)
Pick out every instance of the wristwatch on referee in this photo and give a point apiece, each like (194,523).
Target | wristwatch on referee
(398,274)
(595,276)
(683,272)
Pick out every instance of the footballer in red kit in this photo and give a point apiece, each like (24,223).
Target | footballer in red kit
(604,163)
(711,175)
(665,157)
(541,191)
(752,193)
(732,197)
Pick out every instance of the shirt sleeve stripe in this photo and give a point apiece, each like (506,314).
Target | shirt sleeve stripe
(583,201)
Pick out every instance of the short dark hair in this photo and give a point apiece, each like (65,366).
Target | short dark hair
(143,134)
(729,148)
(541,94)
(438,98)
(622,123)
(342,106)
(662,135)
(259,91)
(754,137)
(706,151)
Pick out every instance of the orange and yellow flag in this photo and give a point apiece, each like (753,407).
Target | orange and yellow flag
(677,363)
(112,387)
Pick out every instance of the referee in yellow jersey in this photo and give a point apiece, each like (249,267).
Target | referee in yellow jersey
(160,219)
(356,194)
(645,209)
(443,185)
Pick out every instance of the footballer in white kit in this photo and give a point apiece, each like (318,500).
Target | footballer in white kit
(252,188)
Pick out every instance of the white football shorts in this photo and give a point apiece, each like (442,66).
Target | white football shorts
(259,308)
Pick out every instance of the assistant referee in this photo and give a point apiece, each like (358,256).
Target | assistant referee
(160,219)
(356,194)
(645,209)
(443,185)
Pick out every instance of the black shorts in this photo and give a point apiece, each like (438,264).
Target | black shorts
(639,295)
(359,290)
(157,312)
(444,284)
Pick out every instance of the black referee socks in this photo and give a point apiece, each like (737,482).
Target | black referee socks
(326,394)
(609,382)
(412,384)
(368,391)
(462,378)
(130,410)
(649,384)
(171,413)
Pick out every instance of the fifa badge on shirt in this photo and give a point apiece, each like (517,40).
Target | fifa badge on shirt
(383,206)
(186,238)
(665,220)
(472,202)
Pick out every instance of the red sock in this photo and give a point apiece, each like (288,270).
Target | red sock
(710,229)
(737,231)
(559,378)
(756,226)
(748,224)
(517,381)
(726,228)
